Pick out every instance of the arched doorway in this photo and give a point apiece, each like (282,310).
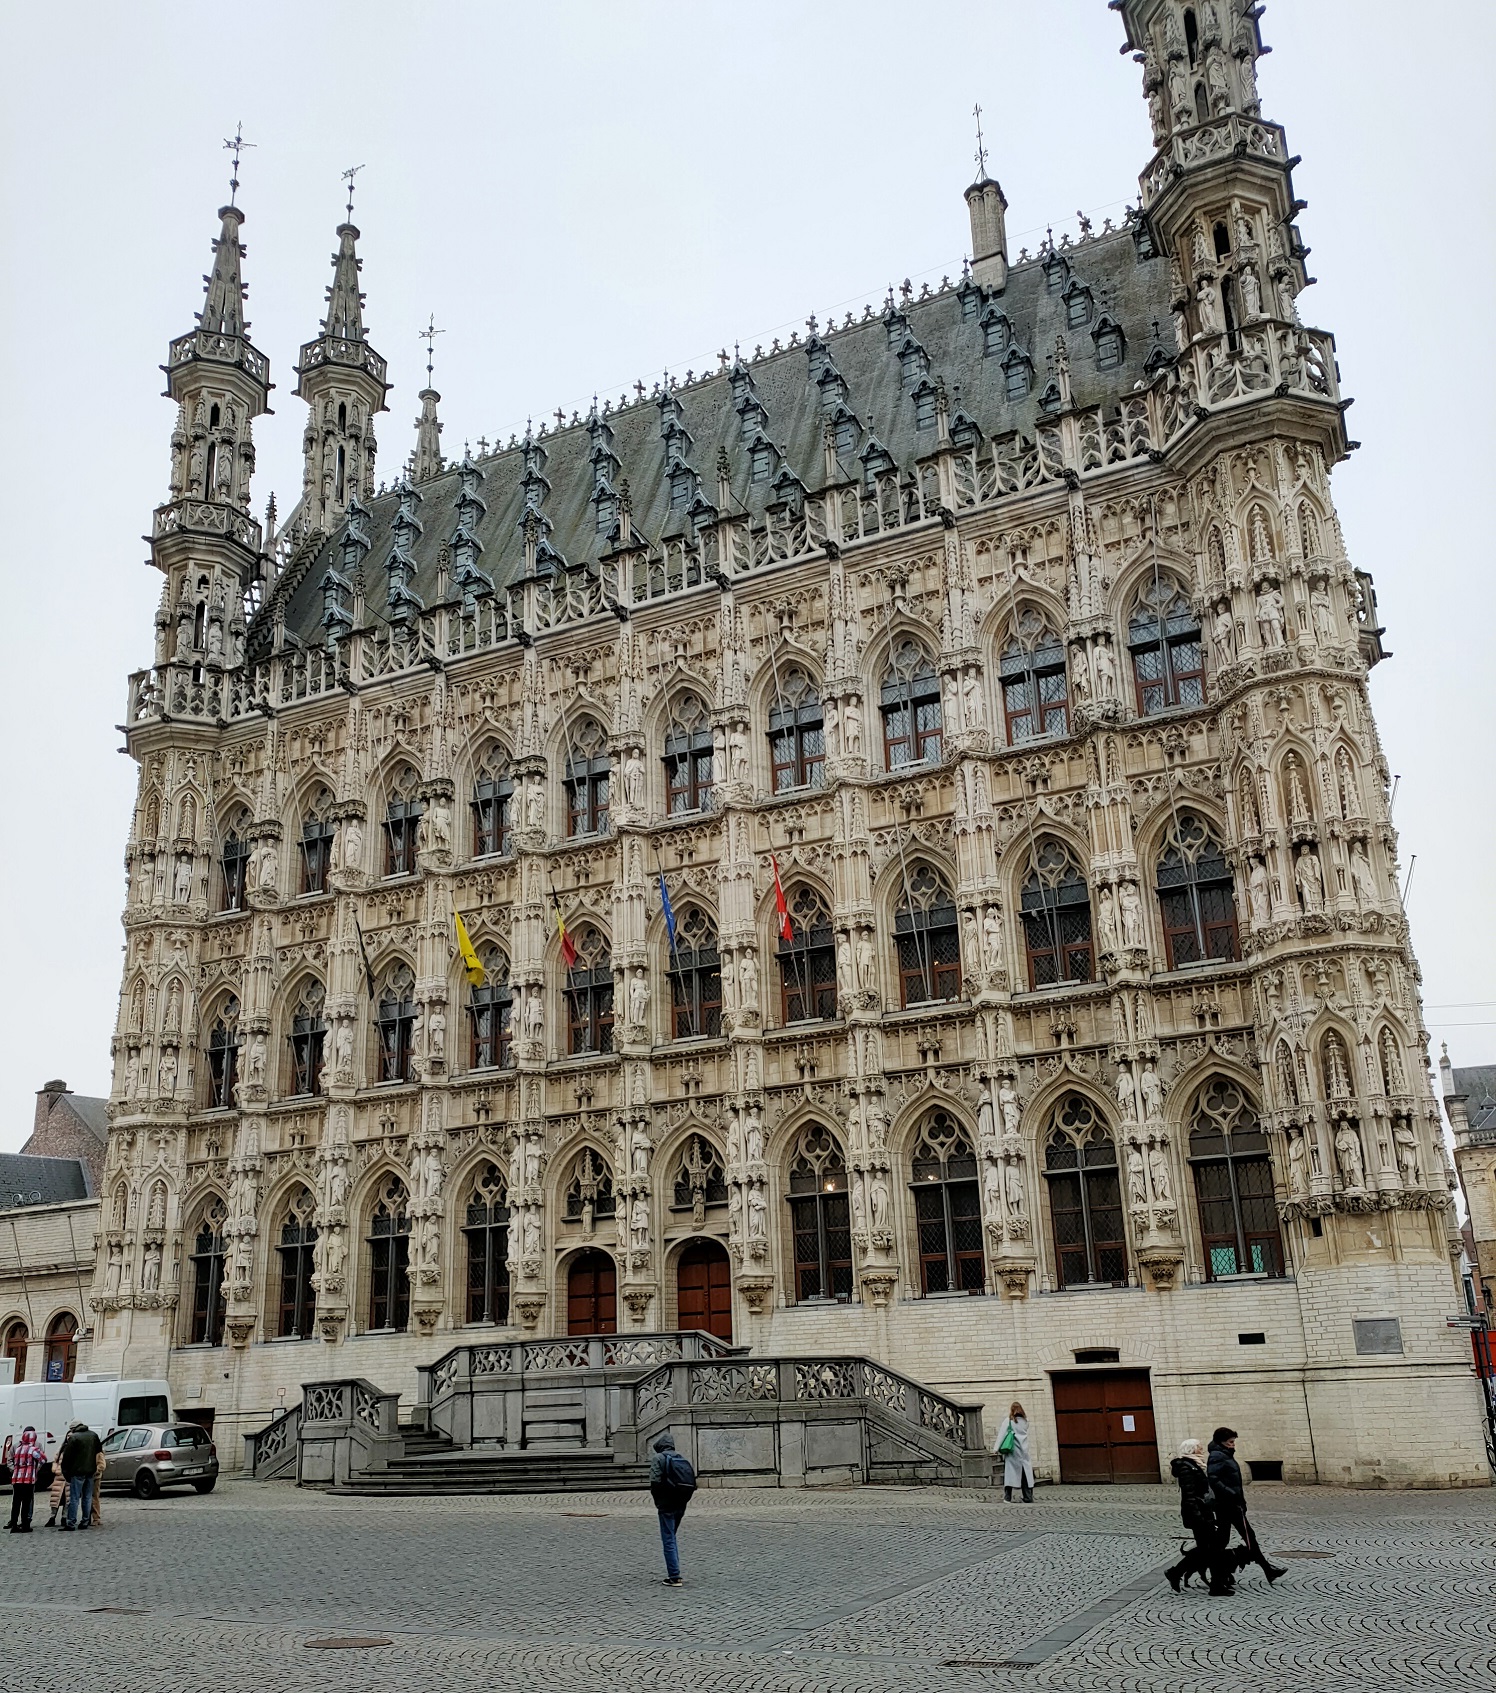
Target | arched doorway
(592,1294)
(62,1347)
(703,1289)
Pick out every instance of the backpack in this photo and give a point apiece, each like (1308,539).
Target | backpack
(679,1474)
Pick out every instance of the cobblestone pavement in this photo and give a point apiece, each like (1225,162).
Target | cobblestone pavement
(871,1590)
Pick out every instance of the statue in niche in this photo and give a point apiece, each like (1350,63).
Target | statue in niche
(640,1147)
(737,747)
(971,699)
(1271,624)
(167,1073)
(436,1034)
(992,938)
(337,1185)
(532,1233)
(132,1071)
(181,887)
(633,779)
(342,1048)
(352,834)
(859,1202)
(436,826)
(1298,1162)
(256,1059)
(1127,1094)
(880,1200)
(758,1213)
(1350,1158)
(150,1270)
(734,1139)
(1207,307)
(330,1248)
(1223,637)
(1106,670)
(1137,1176)
(1132,914)
(1107,920)
(1309,879)
(1363,880)
(865,959)
(1153,1092)
(852,730)
(1158,1171)
(734,1211)
(992,1191)
(535,1014)
(516,1167)
(639,1224)
(753,1136)
(1008,1106)
(1323,614)
(877,1128)
(1407,1151)
(532,1162)
(1259,892)
(1013,1184)
(748,975)
(845,985)
(1251,291)
(535,806)
(638,997)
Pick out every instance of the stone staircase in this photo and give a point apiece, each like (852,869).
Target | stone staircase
(433,1465)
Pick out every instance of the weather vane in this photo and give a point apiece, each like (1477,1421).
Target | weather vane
(976,112)
(348,176)
(236,146)
(429,335)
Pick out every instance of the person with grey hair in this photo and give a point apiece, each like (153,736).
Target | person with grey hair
(1199,1512)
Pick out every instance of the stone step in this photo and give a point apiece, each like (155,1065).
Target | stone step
(480,1471)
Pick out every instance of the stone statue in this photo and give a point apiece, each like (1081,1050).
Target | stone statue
(877,1128)
(168,1072)
(758,1208)
(1153,1092)
(1137,1177)
(181,887)
(1107,920)
(353,843)
(638,997)
(532,1233)
(330,1249)
(256,1057)
(971,699)
(992,1192)
(640,1147)
(734,1139)
(1013,1183)
(1323,613)
(1008,1105)
(1207,306)
(748,976)
(992,938)
(1270,619)
(516,1168)
(753,1136)
(535,806)
(532,1162)
(859,1202)
(633,779)
(1259,892)
(1251,291)
(342,1046)
(150,1270)
(864,959)
(1310,880)
(734,1211)
(534,1014)
(639,1224)
(436,826)
(1407,1150)
(1298,1162)
(1132,914)
(737,745)
(436,1033)
(1363,880)
(266,868)
(881,1201)
(844,984)
(1158,1170)
(852,730)
(132,1072)
(1349,1156)
(1223,637)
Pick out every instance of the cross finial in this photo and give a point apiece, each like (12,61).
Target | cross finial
(976,112)
(348,176)
(428,335)
(236,146)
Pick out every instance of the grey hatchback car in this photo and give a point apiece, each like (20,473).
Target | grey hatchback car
(147,1458)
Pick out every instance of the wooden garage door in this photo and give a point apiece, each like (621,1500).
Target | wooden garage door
(592,1295)
(1104,1419)
(704,1289)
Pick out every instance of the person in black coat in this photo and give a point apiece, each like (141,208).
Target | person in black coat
(1197,1511)
(1226,1482)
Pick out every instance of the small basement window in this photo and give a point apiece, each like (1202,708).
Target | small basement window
(1251,1340)
(1097,1355)
(1266,1469)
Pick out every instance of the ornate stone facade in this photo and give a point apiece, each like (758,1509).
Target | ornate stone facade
(1008,633)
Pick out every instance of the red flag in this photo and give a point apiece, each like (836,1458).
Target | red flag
(568,945)
(786,927)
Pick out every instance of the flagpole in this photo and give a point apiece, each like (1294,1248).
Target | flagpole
(670,933)
(566,969)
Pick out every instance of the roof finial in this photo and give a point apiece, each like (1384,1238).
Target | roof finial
(976,112)
(429,335)
(236,146)
(348,176)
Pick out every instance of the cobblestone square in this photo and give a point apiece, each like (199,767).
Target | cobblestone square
(880,1590)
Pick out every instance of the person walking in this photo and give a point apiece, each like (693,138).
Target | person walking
(1231,1497)
(25,1461)
(1013,1448)
(1197,1511)
(672,1481)
(79,1462)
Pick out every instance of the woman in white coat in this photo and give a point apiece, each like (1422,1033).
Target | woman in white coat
(1018,1466)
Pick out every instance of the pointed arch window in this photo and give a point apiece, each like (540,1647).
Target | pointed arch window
(206,1260)
(1056,910)
(589,1194)
(389,1259)
(807,960)
(820,1217)
(1196,895)
(948,1208)
(1085,1196)
(493,806)
(589,993)
(797,733)
(1163,635)
(699,1179)
(927,939)
(223,1055)
(486,1232)
(911,708)
(17,1344)
(233,864)
(308,1036)
(402,822)
(1233,1173)
(62,1346)
(395,1020)
(1036,691)
(491,1014)
(695,976)
(317,831)
(297,1249)
(688,757)
(588,779)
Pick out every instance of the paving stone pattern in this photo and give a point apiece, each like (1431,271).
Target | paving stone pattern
(883,1590)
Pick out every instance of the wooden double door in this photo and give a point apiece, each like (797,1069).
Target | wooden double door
(703,1289)
(592,1294)
(1104,1419)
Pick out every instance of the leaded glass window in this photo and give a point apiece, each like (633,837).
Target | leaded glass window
(947,1208)
(1085,1196)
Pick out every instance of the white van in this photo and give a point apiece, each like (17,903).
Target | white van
(106,1403)
(46,1405)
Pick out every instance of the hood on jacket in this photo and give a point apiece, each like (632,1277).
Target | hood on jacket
(665,1443)
(28,1437)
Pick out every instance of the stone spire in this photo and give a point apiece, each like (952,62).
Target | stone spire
(987,205)
(427,460)
(342,380)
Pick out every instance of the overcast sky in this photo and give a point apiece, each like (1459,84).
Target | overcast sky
(588,193)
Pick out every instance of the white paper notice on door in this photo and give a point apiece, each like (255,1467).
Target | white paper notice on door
(1129,1424)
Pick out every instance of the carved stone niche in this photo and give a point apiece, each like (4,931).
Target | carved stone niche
(756,1290)
(1013,1274)
(529,1307)
(878,1286)
(1161,1264)
(638,1299)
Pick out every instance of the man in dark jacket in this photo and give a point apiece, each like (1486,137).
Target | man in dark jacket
(1226,1483)
(672,1481)
(1197,1511)
(78,1460)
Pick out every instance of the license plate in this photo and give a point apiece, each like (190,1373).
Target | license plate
(196,1470)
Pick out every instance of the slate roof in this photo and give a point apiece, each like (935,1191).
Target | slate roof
(92,1113)
(26,1180)
(1478,1084)
(881,360)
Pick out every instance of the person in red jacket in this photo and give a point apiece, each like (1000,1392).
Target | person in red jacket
(25,1461)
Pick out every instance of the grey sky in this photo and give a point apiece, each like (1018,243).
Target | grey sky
(586,193)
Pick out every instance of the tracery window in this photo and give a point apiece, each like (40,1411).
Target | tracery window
(493,806)
(206,1260)
(695,976)
(17,1344)
(491,1014)
(233,863)
(797,734)
(395,1020)
(297,1249)
(1233,1184)
(588,780)
(589,1194)
(1196,894)
(308,1037)
(223,1054)
(927,939)
(389,1258)
(62,1347)
(807,962)
(1085,1196)
(486,1231)
(820,1216)
(911,708)
(317,831)
(589,993)
(1056,911)
(1163,636)
(947,1208)
(402,822)
(1036,692)
(699,1178)
(688,757)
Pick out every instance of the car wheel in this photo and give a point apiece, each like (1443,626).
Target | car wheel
(146,1486)
(206,1486)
